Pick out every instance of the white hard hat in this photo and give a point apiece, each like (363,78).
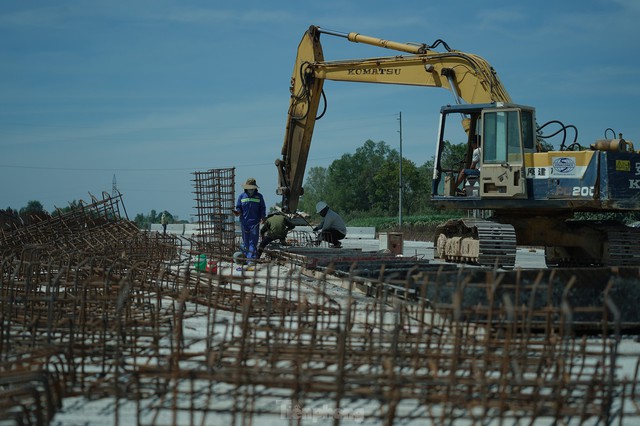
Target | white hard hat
(320,206)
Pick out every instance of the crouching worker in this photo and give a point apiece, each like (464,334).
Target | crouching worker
(275,227)
(332,228)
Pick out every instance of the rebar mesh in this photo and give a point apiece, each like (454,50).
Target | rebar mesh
(214,195)
(109,312)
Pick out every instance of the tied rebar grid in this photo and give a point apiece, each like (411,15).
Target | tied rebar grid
(214,195)
(65,284)
(97,228)
(94,330)
(343,356)
(129,318)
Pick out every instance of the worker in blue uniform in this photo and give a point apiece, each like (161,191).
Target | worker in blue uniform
(252,210)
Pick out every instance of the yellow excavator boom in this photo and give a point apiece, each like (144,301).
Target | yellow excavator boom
(469,77)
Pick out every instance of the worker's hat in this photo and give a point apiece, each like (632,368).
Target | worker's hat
(321,206)
(250,184)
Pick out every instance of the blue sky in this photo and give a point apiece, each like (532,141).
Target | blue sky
(151,91)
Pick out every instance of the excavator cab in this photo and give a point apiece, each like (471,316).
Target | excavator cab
(505,133)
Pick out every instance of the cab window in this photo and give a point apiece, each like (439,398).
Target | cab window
(501,141)
(527,130)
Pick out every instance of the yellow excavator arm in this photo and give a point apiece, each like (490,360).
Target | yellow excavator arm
(469,77)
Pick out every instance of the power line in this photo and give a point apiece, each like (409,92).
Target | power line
(164,169)
(81,169)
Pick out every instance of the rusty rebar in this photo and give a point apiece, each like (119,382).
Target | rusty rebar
(90,305)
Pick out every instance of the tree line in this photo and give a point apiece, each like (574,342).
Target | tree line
(362,184)
(359,184)
(367,182)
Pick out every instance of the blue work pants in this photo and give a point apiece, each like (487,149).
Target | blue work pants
(250,237)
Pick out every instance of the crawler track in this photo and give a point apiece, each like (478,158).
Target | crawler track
(477,241)
(620,246)
(497,243)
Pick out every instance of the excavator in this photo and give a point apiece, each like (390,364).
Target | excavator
(526,194)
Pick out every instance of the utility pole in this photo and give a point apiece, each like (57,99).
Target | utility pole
(400,188)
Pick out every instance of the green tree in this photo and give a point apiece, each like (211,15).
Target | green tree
(9,219)
(421,201)
(416,188)
(315,189)
(32,206)
(453,156)
(11,212)
(368,181)
(33,212)
(352,178)
(143,221)
(385,196)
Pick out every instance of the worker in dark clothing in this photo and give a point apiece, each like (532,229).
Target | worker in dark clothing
(275,227)
(332,228)
(252,211)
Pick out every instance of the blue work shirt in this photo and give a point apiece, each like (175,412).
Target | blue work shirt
(252,209)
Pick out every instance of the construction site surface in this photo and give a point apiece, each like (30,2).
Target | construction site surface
(104,323)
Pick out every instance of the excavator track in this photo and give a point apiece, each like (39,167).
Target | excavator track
(497,244)
(620,246)
(477,241)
